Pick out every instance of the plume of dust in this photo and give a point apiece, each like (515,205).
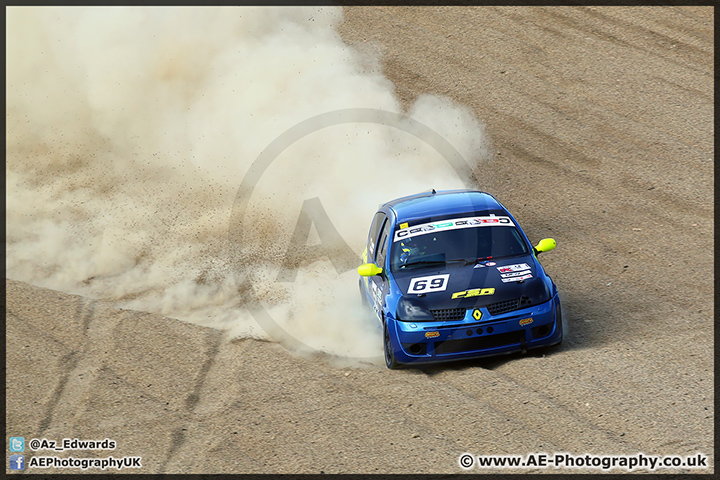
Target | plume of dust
(129,131)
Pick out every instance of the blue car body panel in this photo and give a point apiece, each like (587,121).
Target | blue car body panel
(479,308)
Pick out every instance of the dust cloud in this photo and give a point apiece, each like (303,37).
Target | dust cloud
(129,131)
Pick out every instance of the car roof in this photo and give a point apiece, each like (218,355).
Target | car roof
(444,202)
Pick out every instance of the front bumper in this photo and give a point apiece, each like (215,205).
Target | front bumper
(519,330)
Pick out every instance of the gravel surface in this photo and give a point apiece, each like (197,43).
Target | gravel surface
(602,126)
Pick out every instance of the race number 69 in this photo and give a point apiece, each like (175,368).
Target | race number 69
(432,283)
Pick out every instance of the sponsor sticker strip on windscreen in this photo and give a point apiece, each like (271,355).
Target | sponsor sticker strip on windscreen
(456,223)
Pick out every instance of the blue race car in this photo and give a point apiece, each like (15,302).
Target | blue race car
(451,275)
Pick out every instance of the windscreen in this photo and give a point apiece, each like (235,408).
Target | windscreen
(459,240)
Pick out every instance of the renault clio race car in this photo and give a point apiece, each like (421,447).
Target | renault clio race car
(451,275)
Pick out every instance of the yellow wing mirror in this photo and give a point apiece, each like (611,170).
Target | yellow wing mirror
(545,245)
(369,270)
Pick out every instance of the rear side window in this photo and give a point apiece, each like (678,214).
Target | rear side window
(374,231)
(382,246)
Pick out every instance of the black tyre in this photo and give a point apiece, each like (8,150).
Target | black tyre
(390,360)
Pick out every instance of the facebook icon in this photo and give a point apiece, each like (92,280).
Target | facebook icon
(17,462)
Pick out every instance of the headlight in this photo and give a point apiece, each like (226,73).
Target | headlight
(411,311)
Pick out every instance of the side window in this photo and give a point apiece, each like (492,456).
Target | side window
(382,246)
(374,231)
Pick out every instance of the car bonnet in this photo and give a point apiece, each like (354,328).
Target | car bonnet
(470,286)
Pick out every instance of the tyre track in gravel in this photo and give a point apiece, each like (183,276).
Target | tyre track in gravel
(495,405)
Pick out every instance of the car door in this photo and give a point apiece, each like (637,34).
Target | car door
(372,240)
(369,288)
(378,283)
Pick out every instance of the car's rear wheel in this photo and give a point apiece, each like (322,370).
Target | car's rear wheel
(390,360)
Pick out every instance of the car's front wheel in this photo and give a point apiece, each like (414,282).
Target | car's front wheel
(390,360)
